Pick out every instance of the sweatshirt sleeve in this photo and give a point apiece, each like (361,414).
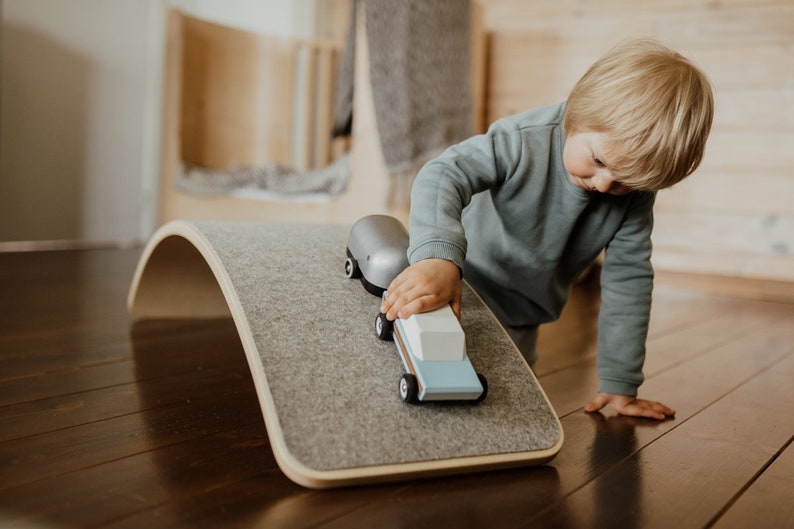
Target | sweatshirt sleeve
(445,185)
(626,289)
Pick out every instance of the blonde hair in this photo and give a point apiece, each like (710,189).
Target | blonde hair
(654,106)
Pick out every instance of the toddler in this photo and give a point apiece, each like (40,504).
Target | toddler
(524,209)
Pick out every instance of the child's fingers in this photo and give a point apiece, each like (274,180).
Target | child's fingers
(597,403)
(418,305)
(422,287)
(668,411)
(391,304)
(631,407)
(395,296)
(456,304)
(647,408)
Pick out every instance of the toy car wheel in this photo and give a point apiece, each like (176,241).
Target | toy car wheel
(352,271)
(383,327)
(409,389)
(484,384)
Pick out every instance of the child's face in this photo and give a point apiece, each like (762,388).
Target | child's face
(586,158)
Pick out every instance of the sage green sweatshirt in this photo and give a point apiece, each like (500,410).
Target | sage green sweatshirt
(503,208)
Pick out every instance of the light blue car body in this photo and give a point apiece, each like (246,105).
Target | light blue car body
(438,379)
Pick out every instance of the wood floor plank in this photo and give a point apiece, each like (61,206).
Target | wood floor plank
(141,482)
(160,459)
(675,308)
(86,345)
(54,353)
(207,344)
(65,382)
(571,341)
(570,389)
(57,413)
(681,344)
(769,500)
(48,455)
(687,476)
(485,500)
(56,289)
(258,503)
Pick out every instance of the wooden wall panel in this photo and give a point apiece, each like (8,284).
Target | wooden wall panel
(734,216)
(229,80)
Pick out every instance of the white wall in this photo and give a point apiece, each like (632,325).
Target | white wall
(285,18)
(80,109)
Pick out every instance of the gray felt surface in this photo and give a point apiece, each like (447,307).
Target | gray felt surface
(334,383)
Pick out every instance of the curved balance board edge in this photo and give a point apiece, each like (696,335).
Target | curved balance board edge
(326,385)
(179,275)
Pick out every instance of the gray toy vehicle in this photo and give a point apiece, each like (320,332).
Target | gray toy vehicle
(376,252)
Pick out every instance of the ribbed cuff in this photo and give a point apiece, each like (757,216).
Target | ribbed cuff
(438,250)
(617,387)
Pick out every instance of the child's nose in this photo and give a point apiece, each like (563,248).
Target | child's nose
(603,183)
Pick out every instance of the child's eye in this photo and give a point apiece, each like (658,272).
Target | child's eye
(597,161)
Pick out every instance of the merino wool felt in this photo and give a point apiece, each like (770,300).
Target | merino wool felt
(326,383)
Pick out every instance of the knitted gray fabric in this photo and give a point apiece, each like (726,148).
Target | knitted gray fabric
(419,52)
(419,69)
(334,383)
(202,181)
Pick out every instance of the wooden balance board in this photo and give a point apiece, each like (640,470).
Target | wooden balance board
(327,386)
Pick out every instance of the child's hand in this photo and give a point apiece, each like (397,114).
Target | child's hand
(631,406)
(422,287)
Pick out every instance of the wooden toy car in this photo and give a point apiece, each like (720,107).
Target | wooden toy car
(432,347)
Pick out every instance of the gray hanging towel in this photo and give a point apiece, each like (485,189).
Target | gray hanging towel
(419,53)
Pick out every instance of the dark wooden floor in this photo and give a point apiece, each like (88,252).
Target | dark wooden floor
(109,423)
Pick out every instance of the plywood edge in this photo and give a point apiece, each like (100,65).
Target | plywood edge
(175,278)
(177,269)
(424,469)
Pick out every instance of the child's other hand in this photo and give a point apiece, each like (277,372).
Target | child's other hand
(422,287)
(631,406)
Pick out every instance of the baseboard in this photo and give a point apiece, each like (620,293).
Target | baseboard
(66,244)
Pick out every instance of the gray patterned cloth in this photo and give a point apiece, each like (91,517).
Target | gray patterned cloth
(202,181)
(419,53)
